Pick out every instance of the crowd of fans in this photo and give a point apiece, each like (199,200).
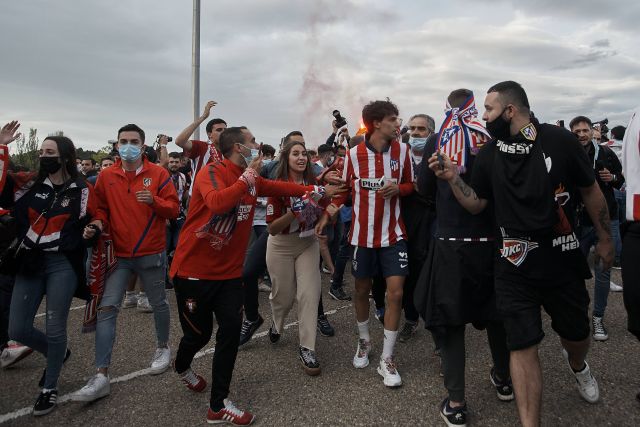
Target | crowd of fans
(469,223)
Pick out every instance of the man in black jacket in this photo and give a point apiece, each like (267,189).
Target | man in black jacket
(608,172)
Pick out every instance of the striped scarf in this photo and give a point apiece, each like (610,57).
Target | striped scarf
(103,263)
(461,130)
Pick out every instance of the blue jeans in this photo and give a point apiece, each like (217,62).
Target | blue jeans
(56,279)
(621,200)
(589,238)
(151,270)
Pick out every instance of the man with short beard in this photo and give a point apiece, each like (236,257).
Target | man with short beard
(533,174)
(608,172)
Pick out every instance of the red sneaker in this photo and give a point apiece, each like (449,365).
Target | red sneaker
(230,414)
(193,381)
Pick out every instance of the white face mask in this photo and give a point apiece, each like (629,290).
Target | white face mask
(417,144)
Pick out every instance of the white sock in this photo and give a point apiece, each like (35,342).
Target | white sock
(389,343)
(363,330)
(130,293)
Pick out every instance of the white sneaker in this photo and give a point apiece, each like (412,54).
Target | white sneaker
(130,300)
(13,353)
(161,360)
(361,359)
(98,386)
(143,304)
(387,368)
(613,287)
(586,383)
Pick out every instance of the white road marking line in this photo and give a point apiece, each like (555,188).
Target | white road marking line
(67,397)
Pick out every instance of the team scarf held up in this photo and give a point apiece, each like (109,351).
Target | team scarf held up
(462,133)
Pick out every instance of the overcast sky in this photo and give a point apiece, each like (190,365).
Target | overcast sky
(87,67)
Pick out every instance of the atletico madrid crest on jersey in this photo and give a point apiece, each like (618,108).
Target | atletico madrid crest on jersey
(394,164)
(146,182)
(529,132)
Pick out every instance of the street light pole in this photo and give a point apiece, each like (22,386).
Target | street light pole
(195,65)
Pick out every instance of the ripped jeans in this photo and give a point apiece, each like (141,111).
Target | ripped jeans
(56,279)
(151,269)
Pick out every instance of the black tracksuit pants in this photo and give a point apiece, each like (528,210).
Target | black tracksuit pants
(197,301)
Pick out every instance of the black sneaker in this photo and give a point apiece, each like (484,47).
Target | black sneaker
(408,330)
(324,327)
(44,373)
(504,388)
(309,361)
(453,416)
(47,401)
(339,294)
(273,336)
(248,329)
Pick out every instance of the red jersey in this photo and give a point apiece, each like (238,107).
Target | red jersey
(376,222)
(213,241)
(202,153)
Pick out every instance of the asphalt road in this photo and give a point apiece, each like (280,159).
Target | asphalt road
(269,381)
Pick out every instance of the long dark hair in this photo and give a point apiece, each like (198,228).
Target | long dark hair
(282,173)
(67,154)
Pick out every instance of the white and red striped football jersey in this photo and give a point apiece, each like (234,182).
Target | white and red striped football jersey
(377,222)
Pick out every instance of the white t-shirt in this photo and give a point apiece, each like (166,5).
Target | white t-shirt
(631,166)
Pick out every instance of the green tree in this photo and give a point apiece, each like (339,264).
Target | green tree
(27,150)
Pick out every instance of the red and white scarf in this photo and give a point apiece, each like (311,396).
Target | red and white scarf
(460,130)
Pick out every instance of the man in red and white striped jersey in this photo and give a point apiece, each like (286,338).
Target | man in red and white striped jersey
(378,173)
(202,152)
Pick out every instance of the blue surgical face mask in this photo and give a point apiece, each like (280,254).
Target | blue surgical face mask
(266,161)
(417,144)
(254,154)
(129,152)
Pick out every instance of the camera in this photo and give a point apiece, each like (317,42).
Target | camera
(169,139)
(340,121)
(602,125)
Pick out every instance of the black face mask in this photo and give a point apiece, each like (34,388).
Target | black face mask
(50,164)
(499,128)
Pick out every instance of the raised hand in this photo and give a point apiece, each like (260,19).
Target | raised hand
(207,109)
(8,132)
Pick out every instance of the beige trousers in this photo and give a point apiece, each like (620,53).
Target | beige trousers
(293,264)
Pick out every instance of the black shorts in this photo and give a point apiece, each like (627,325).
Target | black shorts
(519,304)
(386,262)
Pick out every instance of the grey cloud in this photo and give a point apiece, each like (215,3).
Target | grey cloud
(601,43)
(274,65)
